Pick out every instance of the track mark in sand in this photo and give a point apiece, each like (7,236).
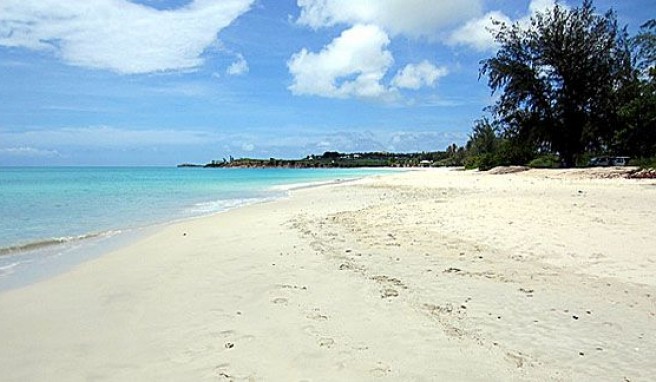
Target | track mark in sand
(326,342)
(349,266)
(280,300)
(519,359)
(225,333)
(313,331)
(390,284)
(380,370)
(290,286)
(527,292)
(389,280)
(389,292)
(491,275)
(221,372)
(317,316)
(449,316)
(447,310)
(321,340)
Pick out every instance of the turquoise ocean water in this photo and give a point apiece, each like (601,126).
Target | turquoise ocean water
(52,218)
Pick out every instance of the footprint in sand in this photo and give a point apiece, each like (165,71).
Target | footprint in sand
(222,372)
(389,292)
(380,371)
(317,316)
(527,292)
(326,342)
(389,280)
(518,359)
(311,330)
(280,300)
(226,333)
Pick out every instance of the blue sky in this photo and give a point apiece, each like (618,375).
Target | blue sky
(160,82)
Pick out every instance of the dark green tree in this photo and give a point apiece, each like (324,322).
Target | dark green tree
(483,139)
(483,146)
(558,76)
(638,111)
(644,45)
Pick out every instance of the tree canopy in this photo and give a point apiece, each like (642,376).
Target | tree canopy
(569,83)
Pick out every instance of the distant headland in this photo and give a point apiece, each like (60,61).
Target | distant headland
(334,159)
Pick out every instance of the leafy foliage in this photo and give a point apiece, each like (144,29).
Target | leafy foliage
(545,161)
(637,134)
(645,163)
(644,44)
(559,79)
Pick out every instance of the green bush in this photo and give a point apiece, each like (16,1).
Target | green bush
(644,162)
(482,162)
(545,161)
(489,161)
(472,162)
(583,160)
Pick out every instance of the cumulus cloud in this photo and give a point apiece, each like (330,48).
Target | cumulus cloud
(413,18)
(478,33)
(416,76)
(352,65)
(239,67)
(356,63)
(118,35)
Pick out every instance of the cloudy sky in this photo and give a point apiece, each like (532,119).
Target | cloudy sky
(159,82)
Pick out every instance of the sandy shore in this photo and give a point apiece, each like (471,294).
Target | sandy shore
(416,276)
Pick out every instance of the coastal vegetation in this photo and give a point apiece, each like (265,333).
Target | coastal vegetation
(571,85)
(348,160)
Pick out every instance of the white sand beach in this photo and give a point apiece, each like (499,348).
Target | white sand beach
(432,275)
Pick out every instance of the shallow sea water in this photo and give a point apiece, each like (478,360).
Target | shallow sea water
(52,218)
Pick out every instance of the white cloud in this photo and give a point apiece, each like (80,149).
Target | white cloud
(413,18)
(478,33)
(352,65)
(367,140)
(25,151)
(118,35)
(343,141)
(104,137)
(414,141)
(317,141)
(239,67)
(355,63)
(540,6)
(248,147)
(415,76)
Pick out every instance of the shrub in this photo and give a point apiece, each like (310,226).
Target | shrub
(545,161)
(472,162)
(644,163)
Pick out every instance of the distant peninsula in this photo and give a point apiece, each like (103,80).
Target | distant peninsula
(334,159)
